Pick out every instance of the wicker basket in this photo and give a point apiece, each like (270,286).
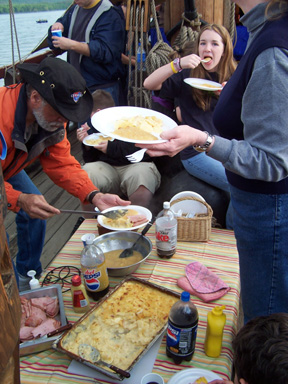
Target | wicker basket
(197,228)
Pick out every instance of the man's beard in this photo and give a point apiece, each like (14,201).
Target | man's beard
(42,122)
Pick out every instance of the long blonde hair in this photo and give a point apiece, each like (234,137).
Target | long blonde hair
(226,66)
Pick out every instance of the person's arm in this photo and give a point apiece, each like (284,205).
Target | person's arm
(263,154)
(71,45)
(154,81)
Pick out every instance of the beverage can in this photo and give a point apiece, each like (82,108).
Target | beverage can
(182,329)
(57,32)
(166,232)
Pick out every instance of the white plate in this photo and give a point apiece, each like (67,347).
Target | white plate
(140,210)
(188,376)
(188,206)
(205,85)
(94,136)
(104,121)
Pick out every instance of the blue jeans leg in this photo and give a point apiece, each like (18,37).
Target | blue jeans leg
(212,172)
(261,231)
(30,232)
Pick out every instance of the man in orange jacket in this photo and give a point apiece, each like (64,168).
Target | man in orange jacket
(33,124)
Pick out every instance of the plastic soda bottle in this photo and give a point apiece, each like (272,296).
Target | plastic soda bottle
(166,232)
(216,320)
(94,270)
(182,329)
(141,51)
(80,299)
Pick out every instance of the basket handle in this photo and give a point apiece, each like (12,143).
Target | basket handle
(209,209)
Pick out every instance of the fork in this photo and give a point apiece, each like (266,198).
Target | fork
(136,156)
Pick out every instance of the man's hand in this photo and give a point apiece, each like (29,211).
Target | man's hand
(107,200)
(178,138)
(36,206)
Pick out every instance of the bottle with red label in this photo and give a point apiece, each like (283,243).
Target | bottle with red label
(166,232)
(94,270)
(182,329)
(80,299)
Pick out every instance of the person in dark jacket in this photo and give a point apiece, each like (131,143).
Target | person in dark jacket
(93,34)
(107,164)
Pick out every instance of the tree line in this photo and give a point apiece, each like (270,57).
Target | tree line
(35,7)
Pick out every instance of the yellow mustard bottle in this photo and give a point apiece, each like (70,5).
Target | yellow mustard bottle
(80,298)
(216,320)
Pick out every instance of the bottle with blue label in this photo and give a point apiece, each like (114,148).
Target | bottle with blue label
(182,330)
(141,51)
(94,270)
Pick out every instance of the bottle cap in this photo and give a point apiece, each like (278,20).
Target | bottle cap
(90,238)
(76,280)
(218,310)
(34,283)
(185,296)
(166,204)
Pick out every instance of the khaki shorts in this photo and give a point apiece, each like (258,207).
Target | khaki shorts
(125,179)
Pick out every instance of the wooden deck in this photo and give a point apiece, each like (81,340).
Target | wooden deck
(58,227)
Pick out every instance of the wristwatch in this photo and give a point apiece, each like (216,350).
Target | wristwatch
(91,196)
(204,147)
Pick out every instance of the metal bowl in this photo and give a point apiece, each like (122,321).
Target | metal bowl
(122,240)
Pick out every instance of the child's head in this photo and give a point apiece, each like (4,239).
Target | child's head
(227,63)
(261,350)
(102,100)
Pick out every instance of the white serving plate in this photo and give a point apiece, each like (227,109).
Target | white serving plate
(104,121)
(140,210)
(188,376)
(205,85)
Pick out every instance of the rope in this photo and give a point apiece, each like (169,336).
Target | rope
(187,33)
(13,26)
(159,54)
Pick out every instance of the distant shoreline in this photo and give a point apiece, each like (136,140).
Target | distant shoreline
(39,7)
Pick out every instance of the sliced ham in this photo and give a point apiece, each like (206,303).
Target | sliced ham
(137,219)
(47,326)
(26,333)
(37,317)
(46,302)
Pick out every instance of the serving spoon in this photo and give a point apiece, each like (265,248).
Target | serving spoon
(87,352)
(116,214)
(129,251)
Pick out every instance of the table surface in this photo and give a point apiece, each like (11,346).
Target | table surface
(219,254)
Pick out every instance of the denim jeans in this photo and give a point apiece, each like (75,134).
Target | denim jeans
(261,231)
(113,90)
(30,232)
(212,172)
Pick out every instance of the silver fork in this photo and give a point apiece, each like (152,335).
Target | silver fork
(137,156)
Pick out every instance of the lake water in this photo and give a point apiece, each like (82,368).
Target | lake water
(29,34)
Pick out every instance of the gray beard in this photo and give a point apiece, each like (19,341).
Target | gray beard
(38,114)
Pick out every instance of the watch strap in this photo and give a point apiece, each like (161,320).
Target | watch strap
(91,196)
(206,145)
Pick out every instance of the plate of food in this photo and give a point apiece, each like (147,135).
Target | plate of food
(96,139)
(194,376)
(205,85)
(132,124)
(136,217)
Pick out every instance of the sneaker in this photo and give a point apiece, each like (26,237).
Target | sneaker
(23,283)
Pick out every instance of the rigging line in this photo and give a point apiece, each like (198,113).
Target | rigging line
(13,26)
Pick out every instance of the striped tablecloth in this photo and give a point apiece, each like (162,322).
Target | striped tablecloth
(218,254)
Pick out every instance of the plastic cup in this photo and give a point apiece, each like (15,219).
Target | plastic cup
(152,378)
(84,237)
(57,32)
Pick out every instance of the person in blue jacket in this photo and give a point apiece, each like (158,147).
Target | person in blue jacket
(93,34)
